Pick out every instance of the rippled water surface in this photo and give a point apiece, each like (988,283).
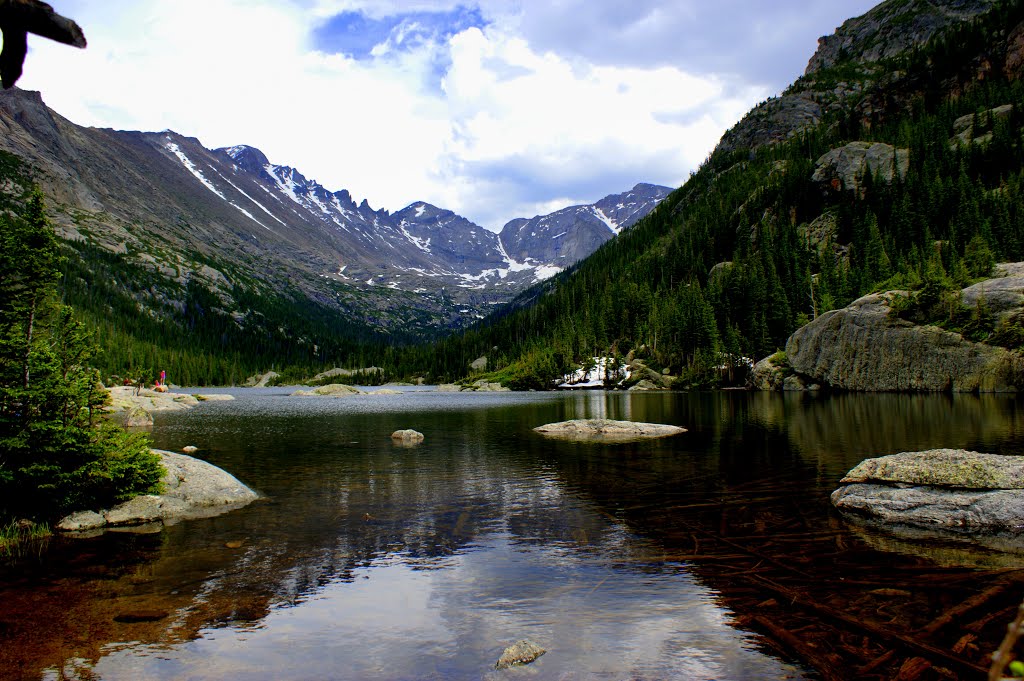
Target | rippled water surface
(367,560)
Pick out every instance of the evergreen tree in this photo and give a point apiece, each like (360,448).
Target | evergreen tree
(56,453)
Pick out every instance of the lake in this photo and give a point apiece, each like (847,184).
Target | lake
(710,555)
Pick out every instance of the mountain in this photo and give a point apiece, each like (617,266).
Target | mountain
(847,64)
(895,162)
(571,234)
(134,190)
(238,226)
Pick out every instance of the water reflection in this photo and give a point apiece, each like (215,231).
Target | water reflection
(369,561)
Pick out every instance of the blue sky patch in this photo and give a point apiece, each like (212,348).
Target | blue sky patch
(355,34)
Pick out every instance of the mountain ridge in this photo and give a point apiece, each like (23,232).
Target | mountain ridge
(165,195)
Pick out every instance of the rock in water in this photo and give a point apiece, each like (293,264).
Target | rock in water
(864,347)
(943,468)
(601,429)
(331,390)
(407,436)
(192,489)
(520,652)
(950,488)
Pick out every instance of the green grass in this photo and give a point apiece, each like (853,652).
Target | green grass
(18,538)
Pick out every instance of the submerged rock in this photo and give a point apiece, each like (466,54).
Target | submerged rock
(601,429)
(938,488)
(192,489)
(520,652)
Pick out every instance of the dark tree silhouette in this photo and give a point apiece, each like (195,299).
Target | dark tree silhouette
(18,18)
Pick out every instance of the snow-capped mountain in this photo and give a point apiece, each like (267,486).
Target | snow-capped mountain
(571,234)
(178,207)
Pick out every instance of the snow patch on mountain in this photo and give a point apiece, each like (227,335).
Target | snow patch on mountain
(422,244)
(612,225)
(258,204)
(192,168)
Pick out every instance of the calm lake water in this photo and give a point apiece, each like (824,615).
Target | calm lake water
(367,560)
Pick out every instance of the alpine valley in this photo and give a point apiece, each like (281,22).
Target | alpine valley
(893,168)
(224,244)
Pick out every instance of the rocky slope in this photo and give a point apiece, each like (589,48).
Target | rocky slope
(228,216)
(848,68)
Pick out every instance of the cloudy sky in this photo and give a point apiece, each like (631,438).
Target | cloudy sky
(492,108)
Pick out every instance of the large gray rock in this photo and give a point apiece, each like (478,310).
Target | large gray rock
(131,406)
(863,347)
(944,468)
(133,417)
(769,374)
(938,488)
(483,386)
(1002,295)
(771,121)
(644,386)
(845,167)
(192,489)
(934,506)
(978,129)
(261,380)
(601,429)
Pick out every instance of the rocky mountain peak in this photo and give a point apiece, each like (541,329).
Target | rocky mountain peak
(249,159)
(891,28)
(849,71)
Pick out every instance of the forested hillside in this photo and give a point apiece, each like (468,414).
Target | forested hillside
(763,238)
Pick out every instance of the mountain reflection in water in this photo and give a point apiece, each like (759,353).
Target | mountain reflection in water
(371,561)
